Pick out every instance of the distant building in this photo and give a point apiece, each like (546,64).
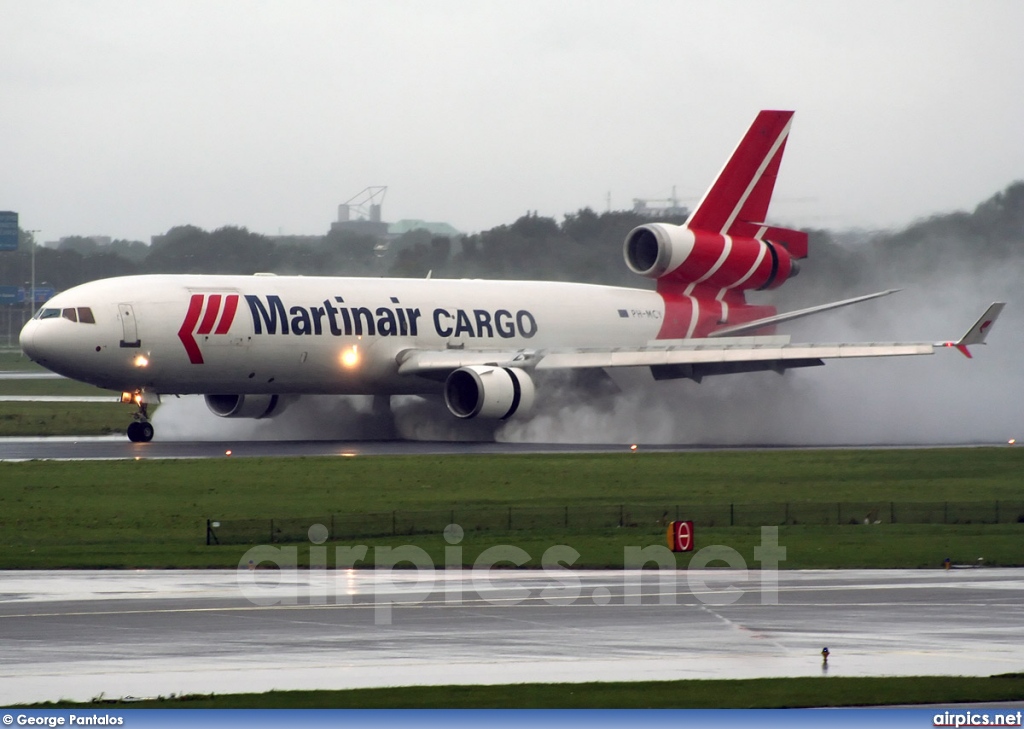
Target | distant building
(436,230)
(668,207)
(362,215)
(365,209)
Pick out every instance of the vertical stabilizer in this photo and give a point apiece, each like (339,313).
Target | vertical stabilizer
(737,202)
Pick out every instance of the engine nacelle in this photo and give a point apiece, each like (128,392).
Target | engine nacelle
(662,250)
(488,392)
(246,406)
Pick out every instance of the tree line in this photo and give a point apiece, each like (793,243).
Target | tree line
(584,246)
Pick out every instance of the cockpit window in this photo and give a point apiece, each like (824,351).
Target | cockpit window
(81,314)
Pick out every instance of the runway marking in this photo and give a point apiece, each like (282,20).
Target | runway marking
(533,601)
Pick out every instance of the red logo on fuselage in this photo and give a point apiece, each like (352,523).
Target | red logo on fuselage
(209,318)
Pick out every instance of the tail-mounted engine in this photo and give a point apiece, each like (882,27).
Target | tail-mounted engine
(488,392)
(246,406)
(674,252)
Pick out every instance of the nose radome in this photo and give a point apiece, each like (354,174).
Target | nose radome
(27,339)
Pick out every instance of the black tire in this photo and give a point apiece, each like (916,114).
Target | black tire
(134,434)
(145,432)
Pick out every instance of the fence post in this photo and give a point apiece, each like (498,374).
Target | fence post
(207,532)
(732,514)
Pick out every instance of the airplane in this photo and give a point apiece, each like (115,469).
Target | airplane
(252,344)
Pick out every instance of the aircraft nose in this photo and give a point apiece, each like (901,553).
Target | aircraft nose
(27,339)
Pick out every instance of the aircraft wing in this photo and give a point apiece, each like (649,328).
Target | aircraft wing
(691,358)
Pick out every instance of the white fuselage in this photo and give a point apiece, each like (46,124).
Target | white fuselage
(294,334)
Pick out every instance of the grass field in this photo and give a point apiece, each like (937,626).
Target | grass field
(53,386)
(768,693)
(13,359)
(46,418)
(63,418)
(153,513)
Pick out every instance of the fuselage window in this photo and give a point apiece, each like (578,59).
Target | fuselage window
(70,314)
(48,314)
(85,315)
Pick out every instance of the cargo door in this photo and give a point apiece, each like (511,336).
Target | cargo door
(129,328)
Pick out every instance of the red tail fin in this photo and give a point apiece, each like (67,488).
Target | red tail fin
(736,204)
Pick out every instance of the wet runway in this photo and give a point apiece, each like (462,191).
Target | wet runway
(119,447)
(114,447)
(79,634)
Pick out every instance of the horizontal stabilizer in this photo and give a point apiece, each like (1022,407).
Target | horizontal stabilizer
(790,316)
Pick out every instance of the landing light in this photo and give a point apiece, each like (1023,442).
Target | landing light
(141,361)
(1012,441)
(350,357)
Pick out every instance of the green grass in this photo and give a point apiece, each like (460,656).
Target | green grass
(39,418)
(63,418)
(52,386)
(766,693)
(152,513)
(13,359)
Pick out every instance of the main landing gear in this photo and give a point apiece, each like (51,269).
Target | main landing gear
(140,430)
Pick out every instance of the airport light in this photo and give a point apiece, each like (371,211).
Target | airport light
(32,249)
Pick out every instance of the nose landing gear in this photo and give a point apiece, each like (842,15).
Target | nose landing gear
(140,430)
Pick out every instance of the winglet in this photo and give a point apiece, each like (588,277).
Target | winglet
(977,333)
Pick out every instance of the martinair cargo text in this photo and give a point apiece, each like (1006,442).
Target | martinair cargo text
(252,344)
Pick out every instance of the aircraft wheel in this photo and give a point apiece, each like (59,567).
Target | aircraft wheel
(140,432)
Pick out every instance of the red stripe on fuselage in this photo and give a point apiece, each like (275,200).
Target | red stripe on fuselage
(212,309)
(703,311)
(195,306)
(230,306)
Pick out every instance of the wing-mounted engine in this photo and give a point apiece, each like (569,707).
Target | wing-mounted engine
(677,253)
(488,392)
(247,406)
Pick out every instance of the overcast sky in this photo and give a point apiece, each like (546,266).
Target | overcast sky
(128,118)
